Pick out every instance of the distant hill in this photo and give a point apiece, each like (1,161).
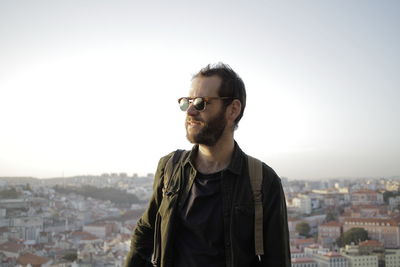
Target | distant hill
(19,180)
(114,195)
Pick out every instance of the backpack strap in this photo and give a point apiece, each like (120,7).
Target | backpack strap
(171,168)
(256,177)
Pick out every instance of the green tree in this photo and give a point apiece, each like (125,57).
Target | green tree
(354,235)
(330,216)
(303,228)
(389,194)
(71,256)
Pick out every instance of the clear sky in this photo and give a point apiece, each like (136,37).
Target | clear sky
(88,87)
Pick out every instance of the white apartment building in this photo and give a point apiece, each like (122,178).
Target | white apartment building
(315,249)
(392,257)
(362,260)
(331,259)
(28,227)
(303,204)
(100,229)
(304,262)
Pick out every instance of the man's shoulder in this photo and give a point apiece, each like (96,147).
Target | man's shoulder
(269,173)
(167,156)
(164,159)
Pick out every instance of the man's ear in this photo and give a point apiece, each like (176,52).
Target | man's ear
(234,110)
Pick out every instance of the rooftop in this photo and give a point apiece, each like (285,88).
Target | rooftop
(333,255)
(32,259)
(302,260)
(373,221)
(331,224)
(11,247)
(370,243)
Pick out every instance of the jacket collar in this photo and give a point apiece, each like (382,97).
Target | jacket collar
(235,166)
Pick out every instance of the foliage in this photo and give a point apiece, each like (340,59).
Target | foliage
(9,193)
(389,194)
(303,228)
(71,256)
(330,216)
(114,195)
(354,235)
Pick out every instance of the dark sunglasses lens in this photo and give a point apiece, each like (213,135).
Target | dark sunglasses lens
(199,103)
(184,103)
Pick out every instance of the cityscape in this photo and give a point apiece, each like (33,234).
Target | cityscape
(89,93)
(88,220)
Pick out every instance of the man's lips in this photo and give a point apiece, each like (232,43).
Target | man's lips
(192,122)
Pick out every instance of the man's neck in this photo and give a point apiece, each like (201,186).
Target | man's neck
(211,159)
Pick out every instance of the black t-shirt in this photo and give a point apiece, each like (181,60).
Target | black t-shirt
(199,236)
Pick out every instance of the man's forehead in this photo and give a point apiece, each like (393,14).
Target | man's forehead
(205,86)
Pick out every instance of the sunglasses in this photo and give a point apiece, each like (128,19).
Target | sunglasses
(199,103)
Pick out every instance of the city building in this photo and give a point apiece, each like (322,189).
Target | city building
(328,233)
(331,259)
(98,229)
(392,258)
(303,204)
(386,230)
(358,260)
(314,249)
(29,259)
(304,262)
(366,197)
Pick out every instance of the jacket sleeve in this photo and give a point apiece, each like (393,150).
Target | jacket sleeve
(276,233)
(142,239)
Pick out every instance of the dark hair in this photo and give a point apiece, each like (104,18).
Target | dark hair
(231,84)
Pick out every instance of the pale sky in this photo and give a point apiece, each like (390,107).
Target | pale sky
(88,87)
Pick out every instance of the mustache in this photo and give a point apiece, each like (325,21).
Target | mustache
(193,119)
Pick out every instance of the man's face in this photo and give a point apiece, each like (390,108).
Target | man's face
(205,127)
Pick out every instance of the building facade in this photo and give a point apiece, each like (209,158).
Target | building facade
(328,233)
(386,231)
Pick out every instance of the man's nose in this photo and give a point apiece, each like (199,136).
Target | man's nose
(191,110)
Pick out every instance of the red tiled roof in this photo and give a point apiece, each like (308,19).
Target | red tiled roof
(32,259)
(331,224)
(370,243)
(295,250)
(333,255)
(368,206)
(11,247)
(84,236)
(302,260)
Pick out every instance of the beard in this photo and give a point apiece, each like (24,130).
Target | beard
(210,132)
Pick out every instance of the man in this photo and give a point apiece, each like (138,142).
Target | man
(204,214)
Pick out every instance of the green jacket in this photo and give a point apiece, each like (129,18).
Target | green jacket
(238,214)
